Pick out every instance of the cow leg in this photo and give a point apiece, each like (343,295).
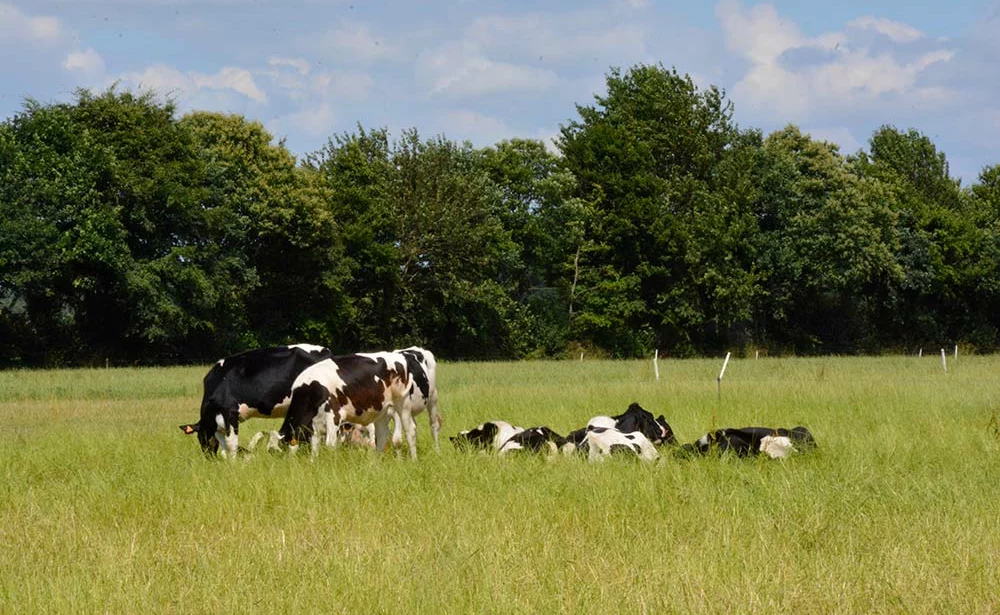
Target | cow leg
(404,416)
(381,431)
(228,437)
(435,420)
(397,429)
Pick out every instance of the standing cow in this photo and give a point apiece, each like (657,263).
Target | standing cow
(246,385)
(362,388)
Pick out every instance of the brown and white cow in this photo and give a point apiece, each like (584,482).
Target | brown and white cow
(361,388)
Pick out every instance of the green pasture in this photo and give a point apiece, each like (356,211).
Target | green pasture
(106,507)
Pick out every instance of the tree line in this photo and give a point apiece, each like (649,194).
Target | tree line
(129,235)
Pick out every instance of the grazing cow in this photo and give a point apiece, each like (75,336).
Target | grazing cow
(246,385)
(635,418)
(749,441)
(534,440)
(602,442)
(490,435)
(360,388)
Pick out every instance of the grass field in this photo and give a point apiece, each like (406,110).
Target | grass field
(106,507)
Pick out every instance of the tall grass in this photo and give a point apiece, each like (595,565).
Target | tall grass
(106,507)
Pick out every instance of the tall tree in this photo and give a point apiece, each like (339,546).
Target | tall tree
(940,243)
(668,266)
(826,246)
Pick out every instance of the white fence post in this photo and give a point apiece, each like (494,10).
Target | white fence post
(656,367)
(944,361)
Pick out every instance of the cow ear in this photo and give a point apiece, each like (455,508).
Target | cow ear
(189,429)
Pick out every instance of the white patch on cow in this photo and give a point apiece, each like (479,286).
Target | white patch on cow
(308,347)
(776,447)
(505,431)
(703,441)
(600,444)
(605,422)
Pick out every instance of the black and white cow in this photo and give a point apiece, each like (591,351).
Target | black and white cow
(600,443)
(423,395)
(361,388)
(635,418)
(533,440)
(246,385)
(750,441)
(488,436)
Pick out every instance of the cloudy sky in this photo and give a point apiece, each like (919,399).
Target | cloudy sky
(485,71)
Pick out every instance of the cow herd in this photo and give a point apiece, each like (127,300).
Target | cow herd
(633,433)
(327,399)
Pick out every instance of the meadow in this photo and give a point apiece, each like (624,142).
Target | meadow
(106,507)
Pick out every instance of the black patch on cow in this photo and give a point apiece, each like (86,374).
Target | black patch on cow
(620,449)
(418,370)
(306,401)
(577,436)
(480,438)
(637,418)
(535,439)
(259,378)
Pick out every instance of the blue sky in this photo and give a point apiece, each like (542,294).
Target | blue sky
(485,71)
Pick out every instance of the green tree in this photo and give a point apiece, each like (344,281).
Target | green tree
(662,161)
(269,219)
(940,244)
(826,246)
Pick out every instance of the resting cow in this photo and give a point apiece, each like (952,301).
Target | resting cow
(602,442)
(750,441)
(488,436)
(533,440)
(635,418)
(246,385)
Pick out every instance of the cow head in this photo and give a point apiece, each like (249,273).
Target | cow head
(480,437)
(666,433)
(209,444)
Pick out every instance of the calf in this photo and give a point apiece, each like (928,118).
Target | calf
(246,385)
(534,440)
(491,435)
(750,441)
(635,418)
(602,442)
(359,388)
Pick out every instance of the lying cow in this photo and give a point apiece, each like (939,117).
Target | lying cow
(255,383)
(600,443)
(776,443)
(488,436)
(635,418)
(362,388)
(533,440)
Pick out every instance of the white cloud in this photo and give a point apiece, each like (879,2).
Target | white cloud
(229,78)
(300,65)
(314,121)
(461,70)
(839,75)
(839,135)
(173,82)
(896,31)
(568,37)
(356,42)
(18,26)
(88,62)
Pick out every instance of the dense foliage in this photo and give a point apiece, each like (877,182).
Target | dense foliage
(129,235)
